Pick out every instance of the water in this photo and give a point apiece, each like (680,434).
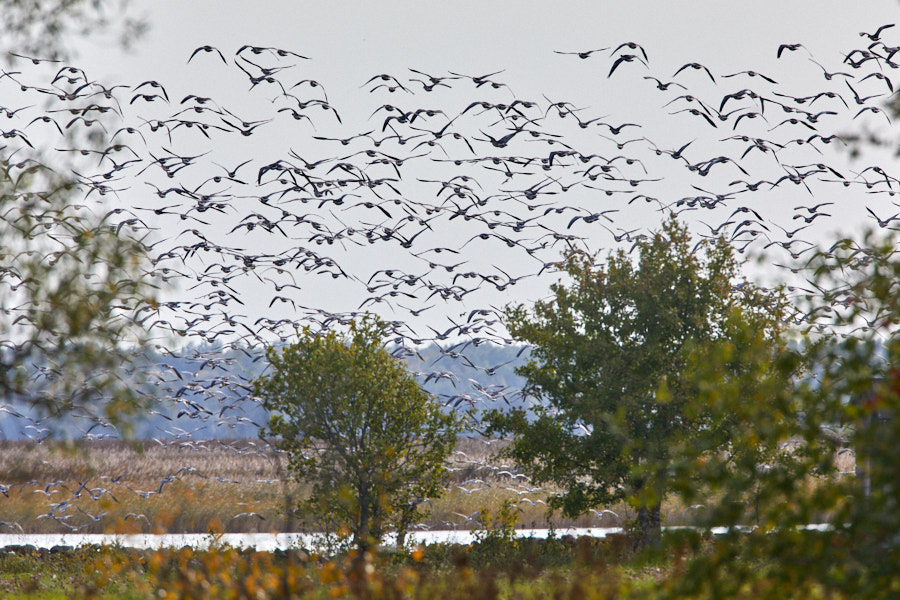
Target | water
(259,541)
(268,542)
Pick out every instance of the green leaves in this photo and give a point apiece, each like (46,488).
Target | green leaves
(611,366)
(359,428)
(782,423)
(72,293)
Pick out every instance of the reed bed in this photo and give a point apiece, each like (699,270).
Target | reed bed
(242,486)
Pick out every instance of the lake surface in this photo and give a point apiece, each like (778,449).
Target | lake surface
(259,541)
(268,542)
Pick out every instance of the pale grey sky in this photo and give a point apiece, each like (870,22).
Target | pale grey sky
(349,42)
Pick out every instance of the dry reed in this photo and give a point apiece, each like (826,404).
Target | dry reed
(240,486)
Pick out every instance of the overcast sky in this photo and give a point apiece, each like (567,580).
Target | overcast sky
(349,42)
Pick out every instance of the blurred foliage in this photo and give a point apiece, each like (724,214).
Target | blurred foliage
(559,567)
(770,476)
(72,291)
(359,429)
(45,29)
(610,367)
(73,283)
(498,527)
(565,567)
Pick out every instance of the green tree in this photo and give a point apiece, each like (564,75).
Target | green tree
(779,461)
(609,368)
(74,284)
(358,427)
(73,289)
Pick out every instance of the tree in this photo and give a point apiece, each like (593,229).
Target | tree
(793,420)
(44,28)
(609,364)
(73,292)
(75,283)
(358,427)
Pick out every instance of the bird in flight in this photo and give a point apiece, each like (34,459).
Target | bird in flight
(583,54)
(625,58)
(790,47)
(35,61)
(874,37)
(207,49)
(697,67)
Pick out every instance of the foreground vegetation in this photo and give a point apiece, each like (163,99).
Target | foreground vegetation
(586,568)
(494,567)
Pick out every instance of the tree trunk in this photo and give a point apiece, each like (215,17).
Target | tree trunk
(403,525)
(362,534)
(648,527)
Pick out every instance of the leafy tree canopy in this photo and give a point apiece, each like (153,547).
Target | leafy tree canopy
(610,367)
(73,294)
(777,471)
(358,427)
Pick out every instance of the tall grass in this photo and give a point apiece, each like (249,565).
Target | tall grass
(190,487)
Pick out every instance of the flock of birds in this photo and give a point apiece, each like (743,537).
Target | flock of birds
(430,199)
